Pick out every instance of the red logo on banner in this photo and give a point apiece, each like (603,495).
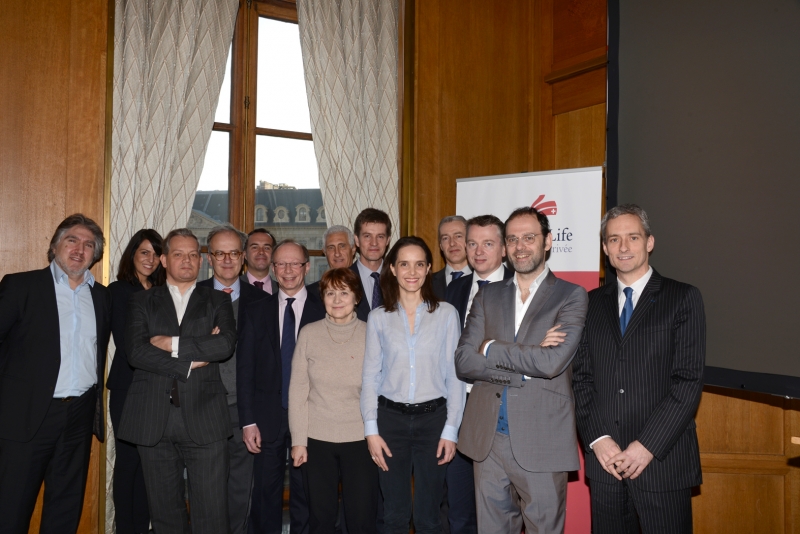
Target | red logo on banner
(548,207)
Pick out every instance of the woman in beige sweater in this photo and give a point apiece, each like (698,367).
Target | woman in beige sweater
(325,415)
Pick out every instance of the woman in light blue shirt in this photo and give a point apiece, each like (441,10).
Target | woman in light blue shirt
(411,399)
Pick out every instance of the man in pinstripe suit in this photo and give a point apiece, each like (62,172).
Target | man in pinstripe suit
(638,376)
(176,410)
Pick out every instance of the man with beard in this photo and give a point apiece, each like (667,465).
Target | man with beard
(519,423)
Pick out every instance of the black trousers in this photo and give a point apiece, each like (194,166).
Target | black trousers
(58,454)
(207,468)
(622,508)
(351,463)
(240,477)
(131,514)
(269,468)
(413,440)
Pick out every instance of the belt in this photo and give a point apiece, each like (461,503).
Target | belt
(412,409)
(76,397)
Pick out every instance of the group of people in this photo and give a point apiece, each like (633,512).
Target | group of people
(470,385)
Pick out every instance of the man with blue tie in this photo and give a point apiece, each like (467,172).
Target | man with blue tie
(453,245)
(373,233)
(268,333)
(638,377)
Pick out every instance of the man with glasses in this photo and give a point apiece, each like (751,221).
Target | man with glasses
(258,256)
(226,256)
(268,334)
(519,423)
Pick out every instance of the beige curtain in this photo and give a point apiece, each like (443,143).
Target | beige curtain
(350,59)
(169,62)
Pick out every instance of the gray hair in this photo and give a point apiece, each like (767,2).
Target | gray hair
(625,209)
(449,219)
(227,227)
(339,229)
(179,232)
(78,219)
(291,242)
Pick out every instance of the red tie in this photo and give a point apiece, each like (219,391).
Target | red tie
(259,285)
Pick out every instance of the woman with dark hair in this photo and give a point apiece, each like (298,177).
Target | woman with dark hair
(139,269)
(411,399)
(324,416)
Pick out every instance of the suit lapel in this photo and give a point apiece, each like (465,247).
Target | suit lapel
(166,307)
(611,309)
(312,305)
(464,297)
(645,302)
(509,293)
(195,305)
(539,298)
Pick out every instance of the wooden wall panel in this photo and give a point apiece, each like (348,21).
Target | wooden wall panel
(579,30)
(580,92)
(580,139)
(739,504)
(52,144)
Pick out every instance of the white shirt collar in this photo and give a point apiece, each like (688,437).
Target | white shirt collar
(59,275)
(496,276)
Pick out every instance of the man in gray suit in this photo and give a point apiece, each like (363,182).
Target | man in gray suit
(176,410)
(519,423)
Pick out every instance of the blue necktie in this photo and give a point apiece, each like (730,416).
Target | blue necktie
(377,296)
(482,283)
(287,350)
(457,274)
(627,310)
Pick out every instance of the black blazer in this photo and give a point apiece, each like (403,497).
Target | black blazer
(258,363)
(645,385)
(246,281)
(247,294)
(30,351)
(203,397)
(121,373)
(440,284)
(457,292)
(363,308)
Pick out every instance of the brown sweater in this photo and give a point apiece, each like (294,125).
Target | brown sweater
(325,389)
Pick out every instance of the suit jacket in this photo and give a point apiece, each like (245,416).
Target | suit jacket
(645,385)
(458,291)
(30,351)
(247,294)
(440,284)
(258,362)
(541,410)
(364,305)
(246,281)
(120,375)
(203,397)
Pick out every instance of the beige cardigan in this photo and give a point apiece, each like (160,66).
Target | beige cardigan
(325,388)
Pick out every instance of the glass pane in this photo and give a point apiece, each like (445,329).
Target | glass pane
(210,206)
(288,199)
(223,113)
(281,87)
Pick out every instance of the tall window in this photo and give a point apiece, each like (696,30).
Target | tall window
(260,169)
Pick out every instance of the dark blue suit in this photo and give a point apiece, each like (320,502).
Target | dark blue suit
(259,389)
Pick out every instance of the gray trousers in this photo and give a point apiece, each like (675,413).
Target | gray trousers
(507,495)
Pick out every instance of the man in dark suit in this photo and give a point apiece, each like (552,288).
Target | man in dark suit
(267,339)
(373,233)
(638,380)
(54,330)
(340,249)
(453,245)
(176,410)
(225,254)
(485,249)
(519,424)
(258,256)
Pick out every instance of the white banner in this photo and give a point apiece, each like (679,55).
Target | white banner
(572,201)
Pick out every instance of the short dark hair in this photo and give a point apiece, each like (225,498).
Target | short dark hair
(341,278)
(291,242)
(372,215)
(78,219)
(533,212)
(260,231)
(179,232)
(625,209)
(389,286)
(127,270)
(484,221)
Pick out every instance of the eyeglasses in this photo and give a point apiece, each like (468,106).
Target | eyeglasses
(288,265)
(528,239)
(219,255)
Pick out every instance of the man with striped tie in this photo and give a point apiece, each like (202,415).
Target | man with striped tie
(638,376)
(373,233)
(453,244)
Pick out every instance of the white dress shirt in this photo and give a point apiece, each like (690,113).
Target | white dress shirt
(180,302)
(297,306)
(496,276)
(448,270)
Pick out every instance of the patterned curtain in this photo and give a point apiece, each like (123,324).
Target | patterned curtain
(350,59)
(169,62)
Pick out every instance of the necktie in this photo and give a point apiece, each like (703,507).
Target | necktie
(627,310)
(287,350)
(227,290)
(377,296)
(457,274)
(482,283)
(259,285)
